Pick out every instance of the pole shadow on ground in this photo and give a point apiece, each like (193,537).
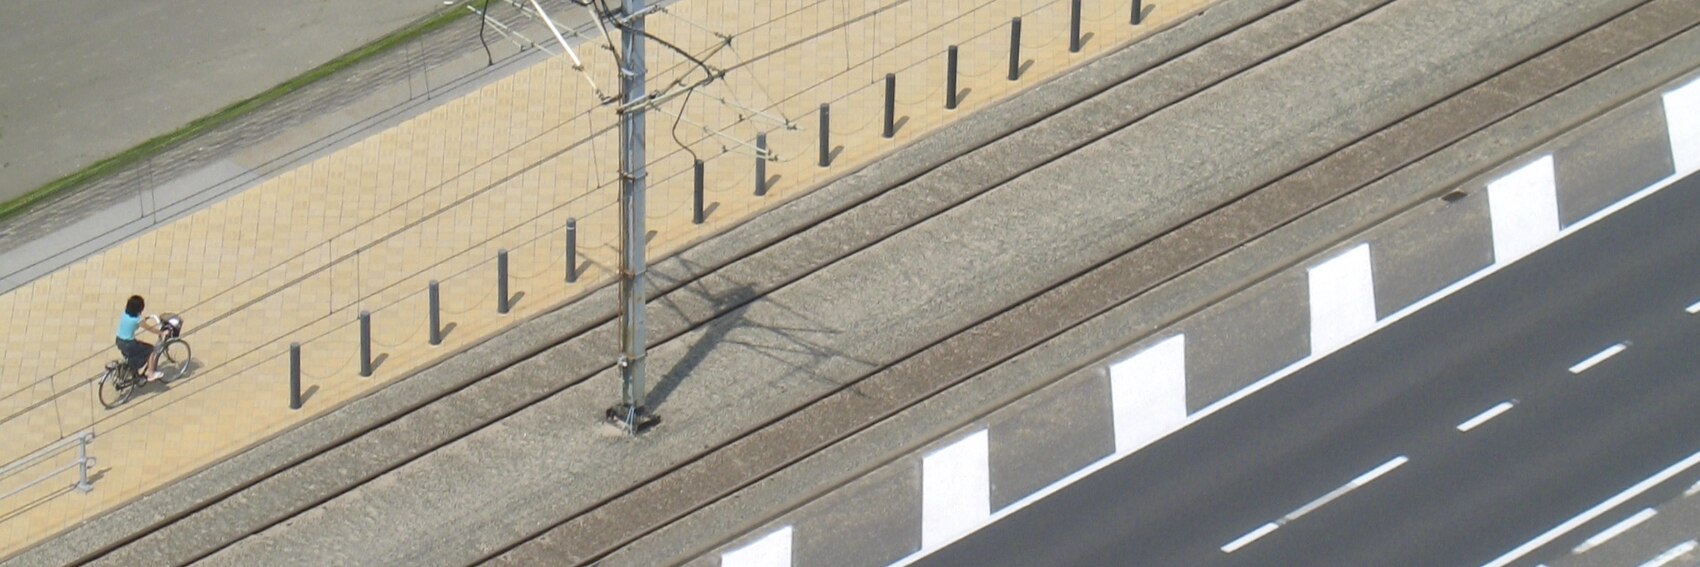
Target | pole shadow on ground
(797,345)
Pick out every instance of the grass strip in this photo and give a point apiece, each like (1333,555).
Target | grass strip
(223,116)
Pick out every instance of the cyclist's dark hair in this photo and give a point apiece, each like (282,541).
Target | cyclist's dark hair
(133,307)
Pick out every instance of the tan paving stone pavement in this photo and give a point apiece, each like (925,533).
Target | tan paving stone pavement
(365,228)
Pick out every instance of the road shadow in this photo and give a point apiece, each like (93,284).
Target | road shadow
(962,96)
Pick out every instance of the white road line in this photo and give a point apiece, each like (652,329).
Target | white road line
(1355,483)
(1614,531)
(1523,208)
(1595,512)
(1672,554)
(772,550)
(1293,368)
(956,494)
(1692,489)
(1682,118)
(1694,309)
(1342,300)
(1483,417)
(1598,357)
(1148,394)
(1249,537)
(1332,495)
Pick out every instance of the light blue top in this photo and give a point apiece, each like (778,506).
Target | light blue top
(127,326)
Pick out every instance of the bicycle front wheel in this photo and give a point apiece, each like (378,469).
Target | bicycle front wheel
(114,388)
(173,359)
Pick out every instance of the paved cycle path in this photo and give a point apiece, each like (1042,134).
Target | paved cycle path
(364,228)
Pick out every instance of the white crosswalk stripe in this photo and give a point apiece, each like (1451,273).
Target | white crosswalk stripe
(1148,394)
(1524,208)
(1342,300)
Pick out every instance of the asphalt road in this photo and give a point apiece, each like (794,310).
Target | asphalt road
(1570,441)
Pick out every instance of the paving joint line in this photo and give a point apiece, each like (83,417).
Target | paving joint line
(694,275)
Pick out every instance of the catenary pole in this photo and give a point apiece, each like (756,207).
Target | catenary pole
(633,175)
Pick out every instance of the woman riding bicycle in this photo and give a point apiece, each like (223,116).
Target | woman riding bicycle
(138,353)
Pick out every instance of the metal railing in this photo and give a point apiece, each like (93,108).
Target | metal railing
(82,464)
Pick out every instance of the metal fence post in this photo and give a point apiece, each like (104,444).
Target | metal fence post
(825,138)
(294,376)
(950,79)
(84,462)
(697,213)
(365,344)
(761,164)
(1074,26)
(1015,49)
(572,250)
(1138,12)
(890,105)
(502,281)
(436,314)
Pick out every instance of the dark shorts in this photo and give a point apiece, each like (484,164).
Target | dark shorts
(136,352)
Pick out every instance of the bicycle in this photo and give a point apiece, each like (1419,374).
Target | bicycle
(170,357)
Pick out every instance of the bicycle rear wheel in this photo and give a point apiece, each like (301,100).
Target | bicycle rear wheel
(115,386)
(173,359)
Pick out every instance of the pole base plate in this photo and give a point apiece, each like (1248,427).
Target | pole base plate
(631,420)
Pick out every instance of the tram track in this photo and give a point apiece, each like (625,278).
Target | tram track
(692,303)
(1127,278)
(592,337)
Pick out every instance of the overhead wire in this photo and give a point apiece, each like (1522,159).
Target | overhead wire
(709,73)
(518,39)
(577,64)
(484,19)
(604,14)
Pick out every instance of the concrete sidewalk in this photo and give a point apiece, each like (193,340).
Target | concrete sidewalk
(434,198)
